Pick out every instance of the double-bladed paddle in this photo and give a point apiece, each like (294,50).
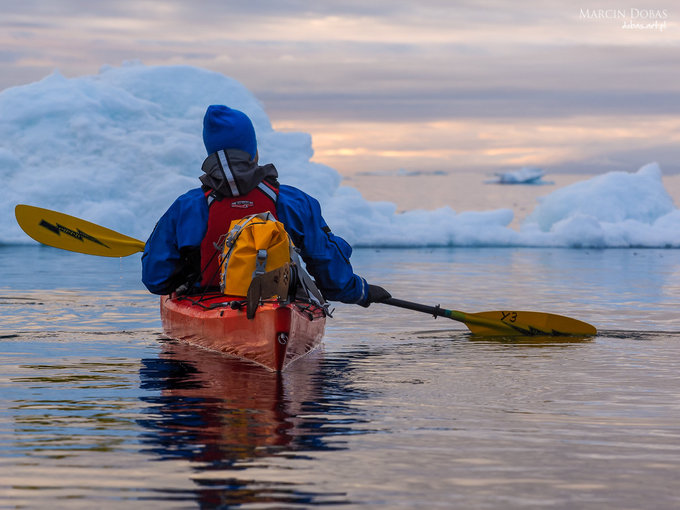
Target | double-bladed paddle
(70,233)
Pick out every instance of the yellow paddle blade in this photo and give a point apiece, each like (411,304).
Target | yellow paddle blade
(502,323)
(73,234)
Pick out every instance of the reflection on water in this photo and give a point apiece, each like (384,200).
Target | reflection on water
(177,425)
(223,416)
(533,341)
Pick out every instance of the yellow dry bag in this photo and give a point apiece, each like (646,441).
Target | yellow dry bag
(254,245)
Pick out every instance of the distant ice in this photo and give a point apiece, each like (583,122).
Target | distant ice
(526,175)
(617,209)
(118,147)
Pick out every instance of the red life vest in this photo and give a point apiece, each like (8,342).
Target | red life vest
(220,215)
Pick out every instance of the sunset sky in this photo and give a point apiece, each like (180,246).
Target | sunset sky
(382,85)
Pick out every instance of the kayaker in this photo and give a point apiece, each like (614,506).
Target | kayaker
(181,247)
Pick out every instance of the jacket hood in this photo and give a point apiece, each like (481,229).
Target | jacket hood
(231,173)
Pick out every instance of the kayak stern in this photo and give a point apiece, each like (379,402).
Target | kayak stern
(279,333)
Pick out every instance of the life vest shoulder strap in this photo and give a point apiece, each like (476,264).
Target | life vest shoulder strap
(272,192)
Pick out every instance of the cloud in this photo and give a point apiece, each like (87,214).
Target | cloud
(394,63)
(452,83)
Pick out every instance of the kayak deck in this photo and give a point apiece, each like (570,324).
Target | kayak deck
(279,333)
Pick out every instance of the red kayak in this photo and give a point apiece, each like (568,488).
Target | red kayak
(279,333)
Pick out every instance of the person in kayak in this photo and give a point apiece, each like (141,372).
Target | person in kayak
(182,249)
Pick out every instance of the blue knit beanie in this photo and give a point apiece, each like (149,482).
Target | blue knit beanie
(226,128)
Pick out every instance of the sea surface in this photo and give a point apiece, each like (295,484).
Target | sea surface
(398,410)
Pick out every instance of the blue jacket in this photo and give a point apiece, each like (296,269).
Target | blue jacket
(325,254)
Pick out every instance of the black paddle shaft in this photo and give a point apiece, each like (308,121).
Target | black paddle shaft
(436,311)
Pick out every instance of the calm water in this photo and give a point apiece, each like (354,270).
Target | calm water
(98,410)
